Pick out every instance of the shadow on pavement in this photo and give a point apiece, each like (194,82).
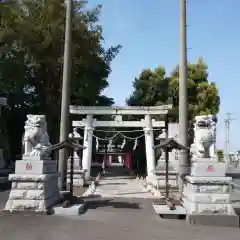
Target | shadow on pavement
(91,196)
(94,204)
(127,193)
(5,186)
(119,177)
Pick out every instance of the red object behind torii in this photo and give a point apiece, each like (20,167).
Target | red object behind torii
(127,161)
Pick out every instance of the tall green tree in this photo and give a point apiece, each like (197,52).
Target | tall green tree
(154,87)
(32,43)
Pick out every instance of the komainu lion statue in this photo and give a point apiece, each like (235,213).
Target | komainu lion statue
(204,137)
(35,138)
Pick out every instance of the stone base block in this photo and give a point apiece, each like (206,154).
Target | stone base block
(208,195)
(74,210)
(33,177)
(33,194)
(164,210)
(159,181)
(208,180)
(161,166)
(36,190)
(78,182)
(213,208)
(214,198)
(207,188)
(37,205)
(213,220)
(76,164)
(78,173)
(78,178)
(208,168)
(35,166)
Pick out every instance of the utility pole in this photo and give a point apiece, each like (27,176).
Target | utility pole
(183,96)
(228,119)
(67,65)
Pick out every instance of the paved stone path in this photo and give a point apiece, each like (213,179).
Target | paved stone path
(125,187)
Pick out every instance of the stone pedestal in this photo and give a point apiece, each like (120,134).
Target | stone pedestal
(34,185)
(158,179)
(207,191)
(78,172)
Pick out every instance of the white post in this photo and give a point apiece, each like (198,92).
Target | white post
(149,142)
(87,152)
(120,159)
(110,159)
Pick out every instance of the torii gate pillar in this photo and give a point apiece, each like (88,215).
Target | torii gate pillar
(87,152)
(149,142)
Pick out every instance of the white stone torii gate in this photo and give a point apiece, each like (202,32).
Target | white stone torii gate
(118,123)
(147,124)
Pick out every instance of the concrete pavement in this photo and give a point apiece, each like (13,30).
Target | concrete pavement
(108,217)
(125,187)
(111,220)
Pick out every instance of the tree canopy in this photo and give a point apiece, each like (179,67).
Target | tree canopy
(220,155)
(154,87)
(32,44)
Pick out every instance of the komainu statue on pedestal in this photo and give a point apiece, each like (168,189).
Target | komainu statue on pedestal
(35,139)
(204,137)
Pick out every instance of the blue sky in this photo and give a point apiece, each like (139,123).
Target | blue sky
(149,32)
